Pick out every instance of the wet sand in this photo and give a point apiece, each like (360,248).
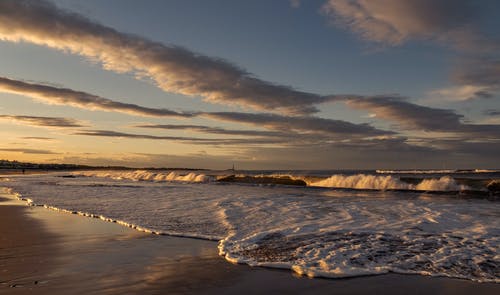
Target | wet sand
(48,252)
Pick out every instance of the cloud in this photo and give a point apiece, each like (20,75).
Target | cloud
(453,23)
(287,132)
(29,151)
(295,3)
(37,138)
(282,136)
(475,77)
(393,22)
(482,73)
(416,117)
(190,140)
(487,148)
(44,121)
(303,125)
(278,123)
(411,116)
(109,133)
(172,68)
(492,112)
(212,130)
(64,96)
(462,92)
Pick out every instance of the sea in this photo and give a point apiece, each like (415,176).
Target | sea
(331,224)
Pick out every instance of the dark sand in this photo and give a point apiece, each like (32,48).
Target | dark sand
(47,252)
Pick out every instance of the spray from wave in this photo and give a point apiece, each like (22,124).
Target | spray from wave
(375,182)
(144,175)
(357,181)
(362,181)
(444,183)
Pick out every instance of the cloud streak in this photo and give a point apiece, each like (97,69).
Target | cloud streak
(484,72)
(411,116)
(41,138)
(211,130)
(278,123)
(190,140)
(393,22)
(304,125)
(56,122)
(29,151)
(172,68)
(492,112)
(481,73)
(64,96)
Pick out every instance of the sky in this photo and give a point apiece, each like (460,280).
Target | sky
(284,84)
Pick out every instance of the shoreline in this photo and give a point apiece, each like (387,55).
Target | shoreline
(47,252)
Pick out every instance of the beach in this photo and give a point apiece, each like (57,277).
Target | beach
(48,252)
(249,147)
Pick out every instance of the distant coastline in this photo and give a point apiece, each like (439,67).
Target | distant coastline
(7,165)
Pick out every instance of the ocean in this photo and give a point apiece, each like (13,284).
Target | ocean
(329,224)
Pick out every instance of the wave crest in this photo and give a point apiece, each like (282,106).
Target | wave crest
(444,183)
(361,181)
(144,175)
(376,182)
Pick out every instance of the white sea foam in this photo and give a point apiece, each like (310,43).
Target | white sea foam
(444,183)
(357,181)
(362,181)
(441,171)
(377,182)
(144,175)
(314,232)
(486,171)
(437,171)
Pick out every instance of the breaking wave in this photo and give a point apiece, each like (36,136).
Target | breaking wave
(357,181)
(444,183)
(376,182)
(144,175)
(362,181)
